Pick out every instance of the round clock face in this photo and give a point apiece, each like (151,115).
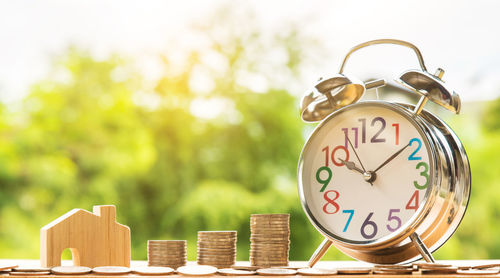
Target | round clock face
(365,172)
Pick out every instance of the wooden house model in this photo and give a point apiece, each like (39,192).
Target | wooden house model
(95,239)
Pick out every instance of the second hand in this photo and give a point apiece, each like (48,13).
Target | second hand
(361,163)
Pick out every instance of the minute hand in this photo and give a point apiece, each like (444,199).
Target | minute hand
(391,158)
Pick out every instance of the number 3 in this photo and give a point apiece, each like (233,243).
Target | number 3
(424,173)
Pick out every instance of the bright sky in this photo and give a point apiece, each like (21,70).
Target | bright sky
(460,36)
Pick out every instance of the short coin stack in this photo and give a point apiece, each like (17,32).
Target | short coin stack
(170,253)
(270,239)
(217,248)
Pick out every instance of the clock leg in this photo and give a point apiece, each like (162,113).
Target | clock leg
(320,252)
(424,251)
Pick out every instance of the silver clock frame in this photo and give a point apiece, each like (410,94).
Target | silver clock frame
(442,209)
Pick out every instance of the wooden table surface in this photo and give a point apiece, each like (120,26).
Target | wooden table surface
(299,264)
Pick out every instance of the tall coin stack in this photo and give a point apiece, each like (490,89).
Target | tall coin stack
(217,248)
(171,253)
(269,239)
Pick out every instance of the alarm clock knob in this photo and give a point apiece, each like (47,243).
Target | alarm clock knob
(430,87)
(439,73)
(331,94)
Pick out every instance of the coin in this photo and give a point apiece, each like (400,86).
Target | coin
(276,271)
(31,269)
(395,271)
(393,266)
(7,267)
(442,270)
(197,270)
(485,266)
(245,267)
(479,272)
(29,273)
(354,270)
(71,270)
(153,270)
(110,270)
(426,265)
(235,272)
(316,271)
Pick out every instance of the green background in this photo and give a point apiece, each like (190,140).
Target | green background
(90,138)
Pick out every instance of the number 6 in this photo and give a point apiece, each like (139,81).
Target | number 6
(366,223)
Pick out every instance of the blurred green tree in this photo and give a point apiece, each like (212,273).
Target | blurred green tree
(172,161)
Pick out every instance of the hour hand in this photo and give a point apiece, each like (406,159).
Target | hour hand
(351,166)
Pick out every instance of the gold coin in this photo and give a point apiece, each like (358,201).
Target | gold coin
(173,266)
(269,238)
(426,265)
(269,253)
(392,271)
(270,245)
(216,259)
(442,270)
(276,271)
(179,254)
(269,264)
(485,266)
(245,267)
(393,266)
(7,267)
(197,270)
(235,272)
(265,262)
(354,270)
(270,224)
(71,270)
(216,255)
(111,270)
(31,269)
(270,215)
(282,244)
(479,272)
(316,271)
(158,256)
(218,233)
(217,240)
(153,270)
(29,273)
(270,234)
(220,257)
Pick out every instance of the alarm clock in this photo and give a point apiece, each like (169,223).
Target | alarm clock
(383,182)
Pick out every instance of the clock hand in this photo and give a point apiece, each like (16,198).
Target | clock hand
(368,176)
(391,158)
(351,166)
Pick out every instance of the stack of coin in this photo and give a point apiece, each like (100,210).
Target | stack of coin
(269,239)
(170,253)
(435,268)
(392,269)
(217,248)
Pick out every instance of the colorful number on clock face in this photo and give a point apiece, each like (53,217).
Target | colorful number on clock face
(339,198)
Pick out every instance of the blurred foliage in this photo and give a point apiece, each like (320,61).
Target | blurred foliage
(91,133)
(94,133)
